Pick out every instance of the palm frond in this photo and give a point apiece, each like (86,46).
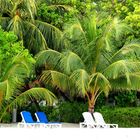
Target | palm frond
(120,83)
(19,68)
(57,79)
(115,29)
(73,31)
(50,58)
(34,38)
(99,82)
(17,26)
(80,79)
(90,27)
(71,62)
(104,61)
(12,71)
(30,7)
(14,75)
(5,6)
(23,98)
(27,62)
(7,87)
(120,28)
(122,67)
(128,50)
(3,88)
(76,35)
(52,35)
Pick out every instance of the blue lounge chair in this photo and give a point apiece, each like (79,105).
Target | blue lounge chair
(27,120)
(42,118)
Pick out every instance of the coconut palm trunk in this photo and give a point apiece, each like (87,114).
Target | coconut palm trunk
(90,107)
(14,115)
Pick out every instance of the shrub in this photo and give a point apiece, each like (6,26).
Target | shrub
(71,112)
(7,118)
(66,112)
(127,99)
(124,117)
(101,101)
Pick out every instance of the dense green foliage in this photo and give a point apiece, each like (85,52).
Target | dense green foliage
(20,17)
(128,11)
(83,49)
(54,15)
(124,117)
(67,112)
(11,47)
(59,12)
(126,99)
(94,61)
(71,112)
(17,73)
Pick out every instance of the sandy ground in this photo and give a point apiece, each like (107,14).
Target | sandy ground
(68,131)
(64,125)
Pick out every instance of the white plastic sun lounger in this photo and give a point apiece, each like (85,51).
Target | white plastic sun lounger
(88,121)
(100,120)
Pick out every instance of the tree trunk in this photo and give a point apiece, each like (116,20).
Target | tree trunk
(106,100)
(91,102)
(91,108)
(14,115)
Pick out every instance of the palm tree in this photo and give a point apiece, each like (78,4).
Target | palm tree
(95,62)
(15,90)
(16,74)
(20,16)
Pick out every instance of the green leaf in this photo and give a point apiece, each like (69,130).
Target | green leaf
(120,83)
(57,79)
(122,67)
(80,79)
(51,58)
(71,62)
(23,98)
(100,82)
(52,35)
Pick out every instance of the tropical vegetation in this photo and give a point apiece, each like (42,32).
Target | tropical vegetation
(68,50)
(17,74)
(93,64)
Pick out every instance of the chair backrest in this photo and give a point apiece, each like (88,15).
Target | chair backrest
(88,118)
(41,117)
(98,118)
(26,117)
